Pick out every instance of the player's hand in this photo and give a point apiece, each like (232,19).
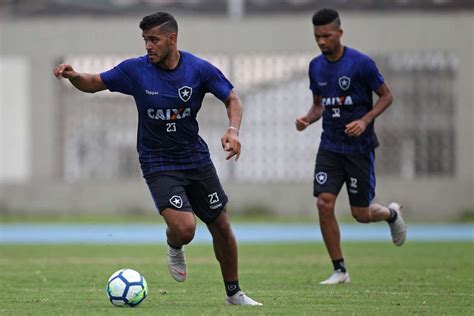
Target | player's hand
(231,143)
(301,123)
(64,71)
(355,128)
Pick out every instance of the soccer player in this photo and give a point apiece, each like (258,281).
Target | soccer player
(168,86)
(342,80)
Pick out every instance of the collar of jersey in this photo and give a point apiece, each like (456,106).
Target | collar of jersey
(340,58)
(180,61)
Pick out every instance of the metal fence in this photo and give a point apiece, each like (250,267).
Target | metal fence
(417,133)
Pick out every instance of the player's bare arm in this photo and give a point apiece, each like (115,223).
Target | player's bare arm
(314,114)
(85,82)
(356,128)
(230,140)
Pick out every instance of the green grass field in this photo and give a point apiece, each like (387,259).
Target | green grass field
(418,278)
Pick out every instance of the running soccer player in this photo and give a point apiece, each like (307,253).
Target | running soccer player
(168,86)
(342,81)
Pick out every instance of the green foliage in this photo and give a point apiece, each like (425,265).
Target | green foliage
(418,278)
(467,215)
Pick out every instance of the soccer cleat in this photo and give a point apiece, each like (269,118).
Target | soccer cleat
(240,298)
(398,229)
(177,263)
(338,277)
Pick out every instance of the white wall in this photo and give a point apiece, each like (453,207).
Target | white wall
(43,41)
(15,120)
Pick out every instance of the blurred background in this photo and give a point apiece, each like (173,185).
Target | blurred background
(66,152)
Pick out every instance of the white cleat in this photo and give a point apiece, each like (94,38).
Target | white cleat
(240,298)
(338,277)
(398,229)
(177,263)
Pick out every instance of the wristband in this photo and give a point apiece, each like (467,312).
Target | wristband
(234,129)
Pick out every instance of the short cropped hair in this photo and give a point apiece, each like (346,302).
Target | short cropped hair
(326,16)
(165,20)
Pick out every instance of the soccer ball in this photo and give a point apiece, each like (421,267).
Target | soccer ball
(127,287)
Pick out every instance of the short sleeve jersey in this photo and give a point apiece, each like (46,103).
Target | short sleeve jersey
(346,88)
(168,102)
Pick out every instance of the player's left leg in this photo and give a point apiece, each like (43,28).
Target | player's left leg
(225,249)
(208,200)
(398,228)
(373,213)
(391,214)
(360,184)
(225,246)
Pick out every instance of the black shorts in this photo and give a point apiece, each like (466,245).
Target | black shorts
(194,190)
(356,170)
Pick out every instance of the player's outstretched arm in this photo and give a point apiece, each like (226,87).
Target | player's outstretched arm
(314,114)
(230,141)
(85,82)
(357,127)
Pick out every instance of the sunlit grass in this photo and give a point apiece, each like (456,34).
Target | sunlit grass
(418,278)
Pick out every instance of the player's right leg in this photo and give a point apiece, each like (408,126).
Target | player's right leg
(332,238)
(328,179)
(180,232)
(168,192)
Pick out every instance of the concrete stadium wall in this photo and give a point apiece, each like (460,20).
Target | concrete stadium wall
(43,41)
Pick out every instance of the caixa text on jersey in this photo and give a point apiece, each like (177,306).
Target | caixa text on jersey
(169,114)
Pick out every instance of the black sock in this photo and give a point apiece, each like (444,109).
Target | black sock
(393,216)
(231,287)
(174,247)
(339,265)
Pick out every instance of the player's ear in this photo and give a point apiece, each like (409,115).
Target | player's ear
(173,37)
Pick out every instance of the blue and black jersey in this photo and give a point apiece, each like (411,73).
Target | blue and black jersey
(168,102)
(346,88)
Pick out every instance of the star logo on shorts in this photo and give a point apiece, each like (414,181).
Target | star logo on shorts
(344,82)
(185,93)
(176,201)
(321,177)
